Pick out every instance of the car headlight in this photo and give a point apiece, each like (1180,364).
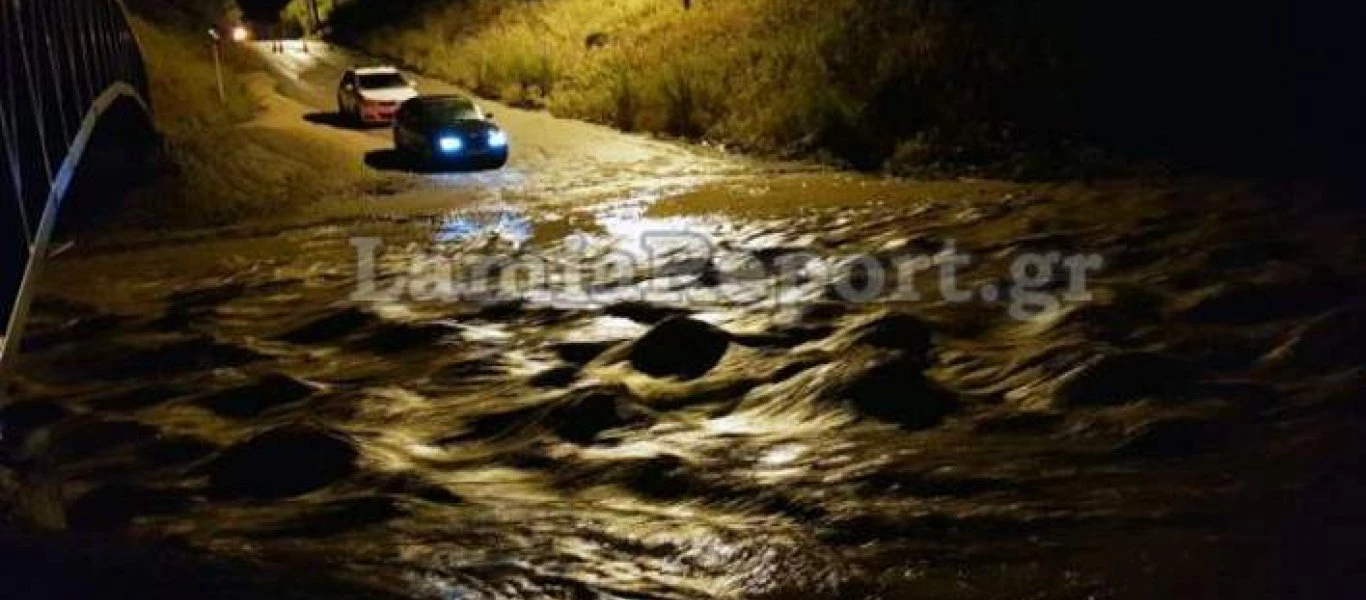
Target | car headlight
(449,144)
(498,139)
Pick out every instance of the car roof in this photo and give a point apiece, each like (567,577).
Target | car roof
(442,99)
(382,70)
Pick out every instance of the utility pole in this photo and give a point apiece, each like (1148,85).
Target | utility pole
(218,66)
(315,25)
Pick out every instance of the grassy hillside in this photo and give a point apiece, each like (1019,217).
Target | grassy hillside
(218,171)
(921,85)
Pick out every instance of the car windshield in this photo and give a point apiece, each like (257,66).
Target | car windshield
(379,81)
(452,110)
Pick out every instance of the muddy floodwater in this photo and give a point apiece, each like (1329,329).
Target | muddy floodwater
(1192,430)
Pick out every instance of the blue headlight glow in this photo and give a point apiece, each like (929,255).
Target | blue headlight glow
(498,139)
(450,144)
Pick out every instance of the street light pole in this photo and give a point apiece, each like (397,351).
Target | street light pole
(218,66)
(313,22)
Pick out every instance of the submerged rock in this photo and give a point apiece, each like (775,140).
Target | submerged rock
(1172,438)
(98,437)
(23,417)
(589,413)
(1248,303)
(200,353)
(409,484)
(555,377)
(283,462)
(115,505)
(1335,340)
(392,338)
(80,329)
(679,347)
(136,399)
(1030,422)
(341,516)
(1125,377)
(175,450)
(248,401)
(897,331)
(898,391)
(578,417)
(330,327)
(580,353)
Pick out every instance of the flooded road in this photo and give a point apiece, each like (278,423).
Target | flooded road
(490,388)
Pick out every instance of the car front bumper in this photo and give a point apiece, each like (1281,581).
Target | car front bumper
(466,157)
(381,113)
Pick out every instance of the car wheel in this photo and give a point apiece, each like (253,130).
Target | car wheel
(413,157)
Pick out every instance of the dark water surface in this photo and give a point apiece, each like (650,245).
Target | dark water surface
(1192,431)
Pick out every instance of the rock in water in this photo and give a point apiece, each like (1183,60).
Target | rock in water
(679,347)
(283,462)
(580,353)
(85,438)
(897,331)
(1173,438)
(330,327)
(591,412)
(169,450)
(115,505)
(272,390)
(1328,341)
(899,392)
(557,377)
(1125,377)
(20,418)
(198,353)
(393,338)
(579,417)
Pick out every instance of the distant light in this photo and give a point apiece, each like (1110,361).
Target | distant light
(240,34)
(498,139)
(450,144)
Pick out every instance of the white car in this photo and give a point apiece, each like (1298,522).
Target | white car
(372,95)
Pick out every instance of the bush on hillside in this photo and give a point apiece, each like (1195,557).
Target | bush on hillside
(964,82)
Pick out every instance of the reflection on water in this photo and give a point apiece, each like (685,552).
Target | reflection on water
(491,224)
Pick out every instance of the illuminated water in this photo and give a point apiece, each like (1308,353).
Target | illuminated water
(543,446)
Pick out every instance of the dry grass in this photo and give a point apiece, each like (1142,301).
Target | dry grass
(867,83)
(747,71)
(1007,88)
(184,86)
(221,171)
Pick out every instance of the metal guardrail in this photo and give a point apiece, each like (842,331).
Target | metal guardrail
(63,65)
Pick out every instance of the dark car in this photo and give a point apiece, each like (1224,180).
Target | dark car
(449,130)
